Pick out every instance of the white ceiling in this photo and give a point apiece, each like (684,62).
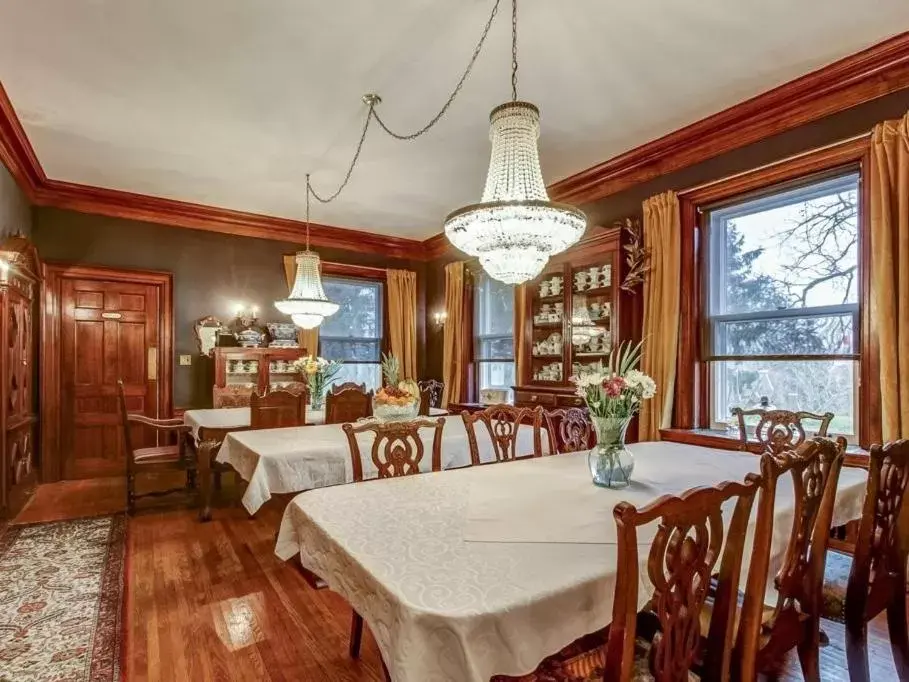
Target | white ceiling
(230,102)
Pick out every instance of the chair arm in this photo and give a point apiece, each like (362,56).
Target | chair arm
(160,424)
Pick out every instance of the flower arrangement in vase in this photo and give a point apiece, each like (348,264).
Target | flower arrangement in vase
(319,374)
(397,400)
(614,393)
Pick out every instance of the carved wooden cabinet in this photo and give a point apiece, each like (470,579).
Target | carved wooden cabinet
(574,313)
(240,371)
(19,279)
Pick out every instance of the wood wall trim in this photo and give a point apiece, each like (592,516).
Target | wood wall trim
(691,403)
(16,152)
(355,271)
(858,78)
(49,378)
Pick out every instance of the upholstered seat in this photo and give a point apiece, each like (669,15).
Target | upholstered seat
(836,577)
(164,453)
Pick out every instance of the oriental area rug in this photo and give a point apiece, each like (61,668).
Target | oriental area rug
(61,600)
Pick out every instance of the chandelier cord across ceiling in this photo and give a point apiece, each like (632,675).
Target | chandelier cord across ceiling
(451,98)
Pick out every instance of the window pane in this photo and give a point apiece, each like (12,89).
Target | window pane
(496,375)
(495,348)
(494,304)
(359,309)
(792,249)
(354,351)
(827,335)
(371,375)
(811,385)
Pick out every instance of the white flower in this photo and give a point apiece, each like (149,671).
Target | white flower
(641,383)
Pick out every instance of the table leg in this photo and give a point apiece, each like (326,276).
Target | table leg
(207,450)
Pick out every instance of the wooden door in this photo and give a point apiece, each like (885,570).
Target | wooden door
(110,331)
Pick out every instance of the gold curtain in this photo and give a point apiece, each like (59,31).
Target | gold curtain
(519,321)
(889,211)
(456,337)
(402,319)
(307,338)
(662,228)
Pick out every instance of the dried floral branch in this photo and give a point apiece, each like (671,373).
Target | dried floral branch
(637,256)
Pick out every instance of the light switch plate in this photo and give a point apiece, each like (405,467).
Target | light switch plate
(186,359)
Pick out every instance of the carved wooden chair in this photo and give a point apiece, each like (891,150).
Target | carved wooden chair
(347,386)
(768,632)
(569,430)
(503,423)
(277,409)
(297,387)
(157,458)
(779,430)
(877,570)
(231,396)
(396,451)
(435,389)
(686,548)
(347,405)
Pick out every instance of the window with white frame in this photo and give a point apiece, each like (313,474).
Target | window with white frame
(494,334)
(783,313)
(354,333)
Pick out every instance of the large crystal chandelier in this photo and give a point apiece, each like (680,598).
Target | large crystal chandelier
(515,228)
(307,304)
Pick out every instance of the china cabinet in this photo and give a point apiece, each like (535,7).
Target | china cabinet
(19,280)
(575,313)
(240,371)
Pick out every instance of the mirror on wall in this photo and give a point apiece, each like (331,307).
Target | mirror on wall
(207,330)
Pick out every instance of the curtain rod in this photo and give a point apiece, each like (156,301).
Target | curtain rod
(705,185)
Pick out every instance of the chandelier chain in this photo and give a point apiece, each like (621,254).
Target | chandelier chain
(353,162)
(308,190)
(514,50)
(451,98)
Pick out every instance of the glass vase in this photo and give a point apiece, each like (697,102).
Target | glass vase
(611,463)
(317,400)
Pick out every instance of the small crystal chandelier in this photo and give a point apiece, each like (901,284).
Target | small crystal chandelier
(515,228)
(307,304)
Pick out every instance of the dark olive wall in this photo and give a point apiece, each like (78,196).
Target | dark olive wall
(15,213)
(212,272)
(605,212)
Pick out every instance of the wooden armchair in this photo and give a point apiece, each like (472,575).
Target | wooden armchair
(503,423)
(779,430)
(396,451)
(277,409)
(434,390)
(153,459)
(569,430)
(877,570)
(347,405)
(768,633)
(687,546)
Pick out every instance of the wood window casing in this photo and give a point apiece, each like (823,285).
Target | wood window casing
(691,409)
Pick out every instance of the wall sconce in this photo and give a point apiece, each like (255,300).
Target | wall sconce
(246,314)
(4,270)
(440,317)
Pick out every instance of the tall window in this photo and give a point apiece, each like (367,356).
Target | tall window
(494,330)
(354,333)
(783,302)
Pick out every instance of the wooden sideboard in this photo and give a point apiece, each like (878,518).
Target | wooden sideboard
(611,313)
(19,279)
(240,371)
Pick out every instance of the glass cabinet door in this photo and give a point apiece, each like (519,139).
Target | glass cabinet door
(592,312)
(281,373)
(242,371)
(547,313)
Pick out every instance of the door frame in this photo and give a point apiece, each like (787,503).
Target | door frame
(50,348)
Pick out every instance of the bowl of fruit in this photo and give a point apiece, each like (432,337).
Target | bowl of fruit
(396,400)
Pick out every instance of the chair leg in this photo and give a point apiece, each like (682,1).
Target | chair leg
(809,655)
(857,651)
(130,494)
(899,634)
(356,634)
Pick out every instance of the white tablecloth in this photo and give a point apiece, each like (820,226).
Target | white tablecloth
(443,608)
(302,458)
(238,418)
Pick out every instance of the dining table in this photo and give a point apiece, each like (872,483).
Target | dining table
(214,423)
(294,459)
(468,573)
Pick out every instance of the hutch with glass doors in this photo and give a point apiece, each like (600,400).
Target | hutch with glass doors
(575,313)
(240,371)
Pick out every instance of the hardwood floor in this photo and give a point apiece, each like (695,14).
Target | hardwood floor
(212,602)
